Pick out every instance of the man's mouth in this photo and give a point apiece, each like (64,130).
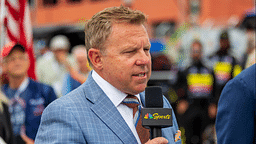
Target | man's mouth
(140,74)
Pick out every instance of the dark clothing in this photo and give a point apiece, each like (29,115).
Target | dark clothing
(225,68)
(236,116)
(198,82)
(5,125)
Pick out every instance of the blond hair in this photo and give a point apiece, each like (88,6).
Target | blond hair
(99,27)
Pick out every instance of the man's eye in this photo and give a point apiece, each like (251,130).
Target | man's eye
(132,51)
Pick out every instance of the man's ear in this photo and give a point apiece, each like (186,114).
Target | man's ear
(95,57)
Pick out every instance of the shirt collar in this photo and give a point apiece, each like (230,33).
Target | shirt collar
(115,95)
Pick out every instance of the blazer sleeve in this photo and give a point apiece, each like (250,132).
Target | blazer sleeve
(235,116)
(59,126)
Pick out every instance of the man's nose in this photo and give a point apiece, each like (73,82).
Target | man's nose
(143,58)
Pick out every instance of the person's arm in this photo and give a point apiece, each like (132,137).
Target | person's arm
(74,73)
(235,116)
(212,108)
(77,76)
(182,102)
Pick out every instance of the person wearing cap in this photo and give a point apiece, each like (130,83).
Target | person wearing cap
(225,65)
(27,98)
(52,70)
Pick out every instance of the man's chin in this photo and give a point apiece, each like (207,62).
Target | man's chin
(140,88)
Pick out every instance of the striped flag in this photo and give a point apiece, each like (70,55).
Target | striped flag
(18,28)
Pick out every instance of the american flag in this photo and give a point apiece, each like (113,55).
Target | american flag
(17,26)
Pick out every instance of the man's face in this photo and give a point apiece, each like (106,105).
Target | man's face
(224,44)
(196,51)
(126,59)
(60,54)
(17,63)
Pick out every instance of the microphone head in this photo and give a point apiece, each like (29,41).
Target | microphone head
(153,97)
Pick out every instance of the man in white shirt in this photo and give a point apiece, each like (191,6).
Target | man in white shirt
(50,68)
(118,49)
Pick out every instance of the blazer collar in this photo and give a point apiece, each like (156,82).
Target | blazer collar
(106,111)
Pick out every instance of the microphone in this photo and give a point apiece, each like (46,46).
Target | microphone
(154,116)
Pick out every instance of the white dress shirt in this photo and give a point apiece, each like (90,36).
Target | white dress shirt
(116,96)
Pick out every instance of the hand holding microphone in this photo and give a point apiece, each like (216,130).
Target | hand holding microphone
(158,140)
(155,117)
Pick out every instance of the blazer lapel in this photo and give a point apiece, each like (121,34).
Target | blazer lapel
(107,112)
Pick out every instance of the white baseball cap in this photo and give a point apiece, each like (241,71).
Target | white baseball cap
(59,42)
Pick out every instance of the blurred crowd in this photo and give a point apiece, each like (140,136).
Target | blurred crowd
(196,86)
(193,90)
(23,99)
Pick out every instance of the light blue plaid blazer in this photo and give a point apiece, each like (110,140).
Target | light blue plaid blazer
(86,115)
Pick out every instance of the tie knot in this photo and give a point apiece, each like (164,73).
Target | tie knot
(131,101)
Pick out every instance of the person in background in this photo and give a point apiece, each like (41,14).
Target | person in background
(97,112)
(248,58)
(51,70)
(6,133)
(27,98)
(236,116)
(194,108)
(75,78)
(225,66)
(41,49)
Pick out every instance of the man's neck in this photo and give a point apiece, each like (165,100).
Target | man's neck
(15,82)
(197,62)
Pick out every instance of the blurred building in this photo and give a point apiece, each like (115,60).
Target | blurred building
(52,17)
(63,12)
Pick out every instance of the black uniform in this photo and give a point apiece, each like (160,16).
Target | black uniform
(225,68)
(198,83)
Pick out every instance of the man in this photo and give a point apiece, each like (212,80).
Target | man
(75,78)
(248,57)
(50,68)
(118,49)
(195,106)
(236,116)
(27,98)
(225,66)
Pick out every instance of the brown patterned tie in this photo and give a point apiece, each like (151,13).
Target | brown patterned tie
(133,102)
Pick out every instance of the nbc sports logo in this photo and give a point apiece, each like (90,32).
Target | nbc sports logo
(148,116)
